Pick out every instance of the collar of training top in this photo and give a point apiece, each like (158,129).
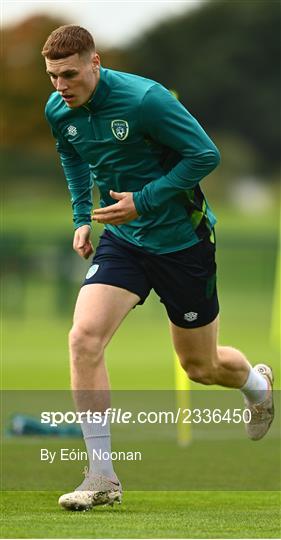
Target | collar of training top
(100,93)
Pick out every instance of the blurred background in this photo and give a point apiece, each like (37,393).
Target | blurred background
(222,58)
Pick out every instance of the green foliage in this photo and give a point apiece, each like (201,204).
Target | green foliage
(25,86)
(223,59)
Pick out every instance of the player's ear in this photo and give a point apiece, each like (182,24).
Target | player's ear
(95,62)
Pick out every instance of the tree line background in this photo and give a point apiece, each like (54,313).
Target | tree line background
(223,60)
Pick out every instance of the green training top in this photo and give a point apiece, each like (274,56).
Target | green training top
(134,135)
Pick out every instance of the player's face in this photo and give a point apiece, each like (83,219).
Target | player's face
(75,77)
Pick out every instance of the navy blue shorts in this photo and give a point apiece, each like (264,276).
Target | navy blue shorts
(184,280)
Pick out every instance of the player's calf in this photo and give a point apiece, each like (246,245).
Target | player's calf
(203,374)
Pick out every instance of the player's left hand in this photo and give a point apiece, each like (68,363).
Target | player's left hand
(117,214)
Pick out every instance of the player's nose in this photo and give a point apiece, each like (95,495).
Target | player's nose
(61,84)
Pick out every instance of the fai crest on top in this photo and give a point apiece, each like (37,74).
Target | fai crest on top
(120,129)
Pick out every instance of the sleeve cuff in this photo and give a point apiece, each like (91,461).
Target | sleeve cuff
(139,203)
(78,222)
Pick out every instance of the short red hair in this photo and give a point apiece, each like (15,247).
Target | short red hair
(67,40)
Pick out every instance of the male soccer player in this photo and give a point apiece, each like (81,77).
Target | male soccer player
(147,155)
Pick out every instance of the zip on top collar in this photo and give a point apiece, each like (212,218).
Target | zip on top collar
(100,93)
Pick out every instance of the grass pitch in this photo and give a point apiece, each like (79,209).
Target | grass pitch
(38,359)
(146,515)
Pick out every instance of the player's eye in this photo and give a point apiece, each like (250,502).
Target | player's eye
(70,75)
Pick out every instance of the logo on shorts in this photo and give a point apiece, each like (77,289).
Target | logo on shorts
(92,270)
(72,130)
(190,316)
(120,129)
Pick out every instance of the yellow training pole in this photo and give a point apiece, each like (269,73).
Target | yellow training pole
(275,321)
(182,383)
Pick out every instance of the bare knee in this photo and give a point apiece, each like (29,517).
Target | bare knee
(200,371)
(85,345)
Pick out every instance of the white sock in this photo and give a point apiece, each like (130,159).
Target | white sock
(97,437)
(255,388)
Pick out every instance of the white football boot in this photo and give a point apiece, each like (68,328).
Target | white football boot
(261,414)
(95,490)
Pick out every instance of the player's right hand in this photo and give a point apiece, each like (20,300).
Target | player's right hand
(82,243)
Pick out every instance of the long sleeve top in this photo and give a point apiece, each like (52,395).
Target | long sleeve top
(134,135)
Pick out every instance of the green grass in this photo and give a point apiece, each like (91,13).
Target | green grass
(38,357)
(29,209)
(140,357)
(146,515)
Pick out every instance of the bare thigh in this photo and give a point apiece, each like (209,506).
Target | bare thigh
(196,345)
(207,362)
(101,308)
